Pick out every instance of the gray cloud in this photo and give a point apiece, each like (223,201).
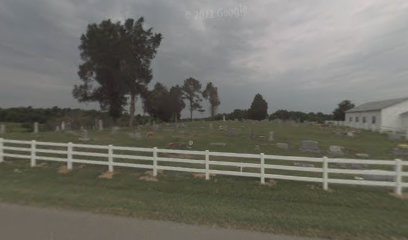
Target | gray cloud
(300,56)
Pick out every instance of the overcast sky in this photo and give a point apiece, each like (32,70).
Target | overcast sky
(300,55)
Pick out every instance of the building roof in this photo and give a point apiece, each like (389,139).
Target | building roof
(376,106)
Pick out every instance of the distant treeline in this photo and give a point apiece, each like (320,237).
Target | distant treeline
(41,115)
(47,115)
(284,115)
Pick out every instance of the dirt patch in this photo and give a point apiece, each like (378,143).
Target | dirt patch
(63,170)
(148,179)
(403,196)
(106,175)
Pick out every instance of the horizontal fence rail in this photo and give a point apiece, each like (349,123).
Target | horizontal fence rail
(364,172)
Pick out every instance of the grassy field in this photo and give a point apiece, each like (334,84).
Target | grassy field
(289,208)
(248,135)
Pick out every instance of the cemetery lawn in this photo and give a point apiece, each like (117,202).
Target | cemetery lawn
(247,136)
(289,208)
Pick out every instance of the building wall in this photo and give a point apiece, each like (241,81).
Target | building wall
(392,119)
(368,124)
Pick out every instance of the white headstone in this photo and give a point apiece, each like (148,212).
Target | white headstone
(336,150)
(62,126)
(36,127)
(310,146)
(84,136)
(223,118)
(190,144)
(2,129)
(271,136)
(284,146)
(100,125)
(136,135)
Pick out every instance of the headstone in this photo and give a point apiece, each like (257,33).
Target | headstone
(190,144)
(304,165)
(232,132)
(283,146)
(350,134)
(211,126)
(362,155)
(115,130)
(62,126)
(271,136)
(400,151)
(371,175)
(223,118)
(336,150)
(218,144)
(339,133)
(100,125)
(136,135)
(57,129)
(310,146)
(68,126)
(2,129)
(84,137)
(257,148)
(36,127)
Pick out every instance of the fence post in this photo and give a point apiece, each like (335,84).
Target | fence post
(262,168)
(1,150)
(110,157)
(398,176)
(69,156)
(325,173)
(207,165)
(33,159)
(155,162)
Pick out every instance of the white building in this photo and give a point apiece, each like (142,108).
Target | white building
(387,115)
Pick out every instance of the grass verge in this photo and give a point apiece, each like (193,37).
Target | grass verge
(289,208)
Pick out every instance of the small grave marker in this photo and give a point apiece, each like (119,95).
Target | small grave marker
(36,127)
(310,146)
(283,146)
(2,129)
(271,136)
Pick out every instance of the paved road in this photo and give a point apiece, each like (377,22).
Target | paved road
(20,222)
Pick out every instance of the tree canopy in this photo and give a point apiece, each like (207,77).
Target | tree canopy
(339,114)
(211,93)
(116,62)
(258,109)
(192,93)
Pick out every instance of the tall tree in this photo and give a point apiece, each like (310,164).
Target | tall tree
(143,44)
(192,93)
(101,52)
(176,103)
(258,109)
(156,103)
(211,93)
(339,114)
(116,62)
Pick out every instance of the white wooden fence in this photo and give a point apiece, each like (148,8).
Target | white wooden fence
(305,169)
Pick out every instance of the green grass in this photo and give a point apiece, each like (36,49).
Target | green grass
(289,208)
(375,144)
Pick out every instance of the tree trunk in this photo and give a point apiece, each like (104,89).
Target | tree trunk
(132,109)
(191,109)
